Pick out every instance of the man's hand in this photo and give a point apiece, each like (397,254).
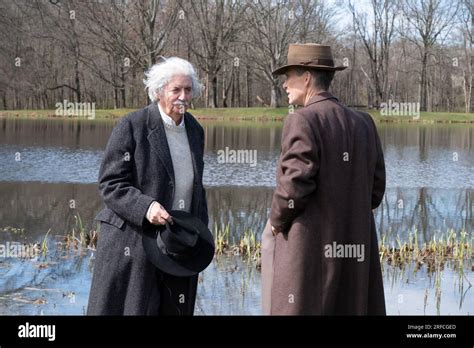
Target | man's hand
(157,215)
(275,231)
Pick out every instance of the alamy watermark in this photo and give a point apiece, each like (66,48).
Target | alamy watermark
(392,108)
(237,156)
(18,250)
(336,250)
(67,108)
(28,330)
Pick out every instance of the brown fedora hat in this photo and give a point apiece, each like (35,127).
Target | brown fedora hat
(310,55)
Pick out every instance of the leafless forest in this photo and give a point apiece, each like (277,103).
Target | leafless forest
(97,51)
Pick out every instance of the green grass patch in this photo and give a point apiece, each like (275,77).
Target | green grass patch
(100,114)
(257,114)
(241,114)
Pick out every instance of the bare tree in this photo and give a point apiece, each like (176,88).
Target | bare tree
(11,32)
(132,37)
(273,26)
(107,32)
(211,28)
(98,50)
(315,19)
(59,23)
(428,21)
(466,15)
(156,19)
(377,38)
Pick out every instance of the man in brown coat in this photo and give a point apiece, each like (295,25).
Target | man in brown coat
(320,251)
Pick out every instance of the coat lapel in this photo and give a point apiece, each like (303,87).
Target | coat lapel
(157,139)
(194,145)
(196,153)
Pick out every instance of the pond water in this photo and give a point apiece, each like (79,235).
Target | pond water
(48,174)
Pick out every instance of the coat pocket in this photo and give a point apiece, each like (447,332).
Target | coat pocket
(108,216)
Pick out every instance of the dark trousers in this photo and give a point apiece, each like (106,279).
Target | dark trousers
(177,294)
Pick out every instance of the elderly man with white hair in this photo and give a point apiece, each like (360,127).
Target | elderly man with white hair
(153,163)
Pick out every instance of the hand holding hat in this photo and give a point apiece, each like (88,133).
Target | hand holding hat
(184,248)
(157,215)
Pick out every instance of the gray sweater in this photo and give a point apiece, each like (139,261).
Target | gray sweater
(182,166)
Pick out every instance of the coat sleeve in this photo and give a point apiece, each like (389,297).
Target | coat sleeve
(116,176)
(378,188)
(296,173)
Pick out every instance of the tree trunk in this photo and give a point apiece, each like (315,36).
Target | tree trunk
(213,103)
(467,87)
(238,88)
(122,90)
(206,99)
(224,90)
(4,100)
(423,82)
(115,98)
(275,101)
(352,89)
(248,82)
(232,91)
(77,74)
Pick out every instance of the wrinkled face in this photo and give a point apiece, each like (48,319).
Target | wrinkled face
(176,95)
(295,87)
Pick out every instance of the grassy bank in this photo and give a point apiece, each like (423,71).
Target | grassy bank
(272,114)
(102,114)
(260,114)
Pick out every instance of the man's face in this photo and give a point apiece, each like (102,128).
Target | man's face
(295,87)
(175,97)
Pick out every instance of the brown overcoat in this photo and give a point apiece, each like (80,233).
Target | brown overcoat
(330,176)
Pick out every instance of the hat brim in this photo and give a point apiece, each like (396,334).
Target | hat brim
(281,70)
(182,268)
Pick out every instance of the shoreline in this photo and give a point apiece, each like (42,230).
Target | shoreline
(242,115)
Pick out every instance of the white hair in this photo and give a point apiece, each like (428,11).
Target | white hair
(158,76)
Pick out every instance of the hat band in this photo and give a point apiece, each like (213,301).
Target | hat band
(179,257)
(327,62)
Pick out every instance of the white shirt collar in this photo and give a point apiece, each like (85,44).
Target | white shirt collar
(168,120)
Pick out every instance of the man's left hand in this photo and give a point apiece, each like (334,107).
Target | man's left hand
(275,231)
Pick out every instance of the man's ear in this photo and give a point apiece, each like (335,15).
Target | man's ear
(159,94)
(307,79)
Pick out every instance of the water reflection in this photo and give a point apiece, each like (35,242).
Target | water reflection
(57,285)
(435,156)
(429,212)
(48,164)
(447,291)
(229,286)
(69,133)
(57,165)
(37,207)
(430,190)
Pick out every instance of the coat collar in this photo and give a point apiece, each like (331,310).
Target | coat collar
(320,97)
(157,138)
(159,143)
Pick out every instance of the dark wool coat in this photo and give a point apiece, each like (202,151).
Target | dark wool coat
(330,176)
(137,169)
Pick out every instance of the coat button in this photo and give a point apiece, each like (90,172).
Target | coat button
(170,183)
